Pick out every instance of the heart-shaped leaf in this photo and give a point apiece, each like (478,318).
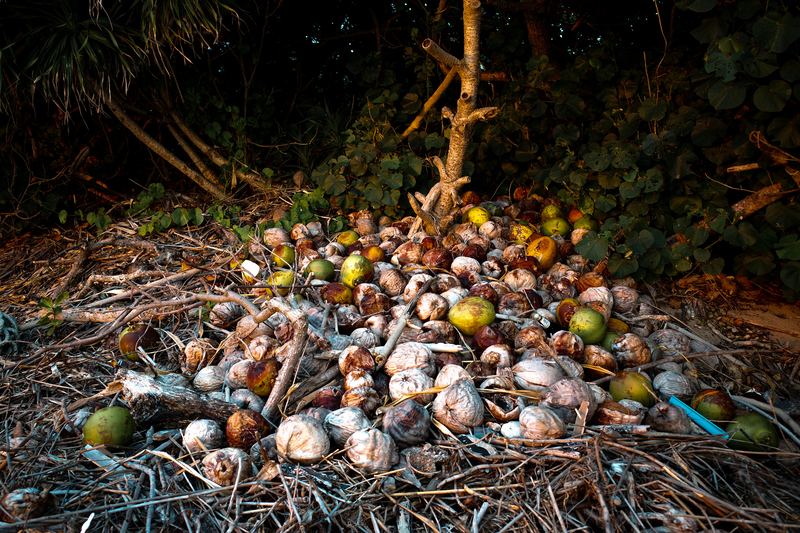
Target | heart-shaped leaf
(592,246)
(775,32)
(622,266)
(772,97)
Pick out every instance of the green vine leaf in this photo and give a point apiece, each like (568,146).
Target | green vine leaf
(776,33)
(758,264)
(714,267)
(621,266)
(652,109)
(785,131)
(701,6)
(592,246)
(744,235)
(790,275)
(727,95)
(640,241)
(789,247)
(702,255)
(773,97)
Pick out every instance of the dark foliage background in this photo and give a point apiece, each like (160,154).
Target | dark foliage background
(631,111)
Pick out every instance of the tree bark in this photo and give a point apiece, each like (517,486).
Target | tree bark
(440,206)
(538,32)
(535,13)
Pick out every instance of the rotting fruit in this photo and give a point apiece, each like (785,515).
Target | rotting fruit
(716,405)
(282,280)
(137,336)
(261,376)
(109,426)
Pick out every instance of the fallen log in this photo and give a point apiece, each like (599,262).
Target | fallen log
(164,406)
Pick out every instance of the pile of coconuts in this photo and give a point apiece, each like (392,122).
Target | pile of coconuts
(501,304)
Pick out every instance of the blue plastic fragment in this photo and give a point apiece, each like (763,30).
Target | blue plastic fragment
(699,419)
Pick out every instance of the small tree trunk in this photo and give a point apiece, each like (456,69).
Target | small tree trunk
(439,208)
(538,32)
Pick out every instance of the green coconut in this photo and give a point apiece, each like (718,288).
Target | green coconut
(109,426)
(555,226)
(357,269)
(627,385)
(322,269)
(761,432)
(471,314)
(588,324)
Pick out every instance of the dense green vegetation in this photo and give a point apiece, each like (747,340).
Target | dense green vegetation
(633,112)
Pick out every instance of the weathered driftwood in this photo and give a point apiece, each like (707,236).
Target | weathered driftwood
(766,195)
(161,405)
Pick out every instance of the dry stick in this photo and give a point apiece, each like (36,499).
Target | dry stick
(681,481)
(431,102)
(122,318)
(673,359)
(175,277)
(723,353)
(77,267)
(384,351)
(312,384)
(549,351)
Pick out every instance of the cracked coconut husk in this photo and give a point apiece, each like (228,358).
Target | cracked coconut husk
(610,481)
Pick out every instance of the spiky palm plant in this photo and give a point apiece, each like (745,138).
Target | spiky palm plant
(89,53)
